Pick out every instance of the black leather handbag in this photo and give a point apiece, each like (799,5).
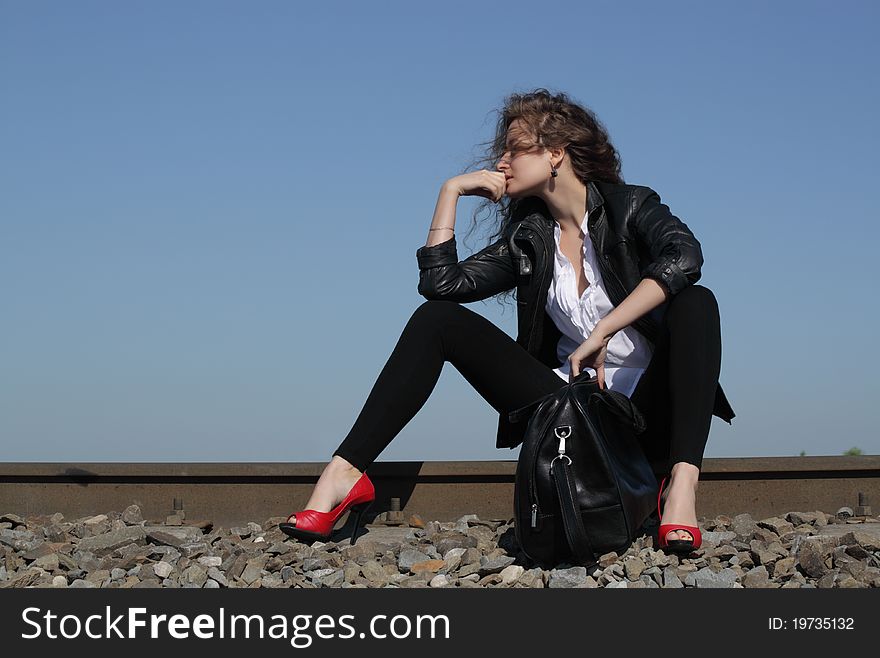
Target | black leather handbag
(583,484)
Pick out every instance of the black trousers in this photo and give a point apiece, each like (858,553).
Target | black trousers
(676,392)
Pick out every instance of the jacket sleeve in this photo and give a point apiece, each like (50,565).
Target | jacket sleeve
(479,276)
(676,256)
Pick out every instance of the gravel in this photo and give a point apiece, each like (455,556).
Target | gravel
(122,549)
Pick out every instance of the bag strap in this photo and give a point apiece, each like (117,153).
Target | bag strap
(571,518)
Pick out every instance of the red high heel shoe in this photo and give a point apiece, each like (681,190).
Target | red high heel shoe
(312,524)
(676,545)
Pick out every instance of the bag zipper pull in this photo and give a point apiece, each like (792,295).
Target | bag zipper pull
(534,514)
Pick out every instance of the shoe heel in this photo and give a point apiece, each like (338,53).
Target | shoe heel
(359,511)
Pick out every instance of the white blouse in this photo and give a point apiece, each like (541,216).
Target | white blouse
(628,352)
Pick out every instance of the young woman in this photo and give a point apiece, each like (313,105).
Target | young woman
(605,279)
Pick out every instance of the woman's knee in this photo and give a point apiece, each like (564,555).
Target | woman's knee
(434,314)
(436,309)
(692,301)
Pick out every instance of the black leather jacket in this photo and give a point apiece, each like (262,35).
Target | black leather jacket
(634,235)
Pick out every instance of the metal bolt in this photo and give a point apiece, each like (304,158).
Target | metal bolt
(864,508)
(394,516)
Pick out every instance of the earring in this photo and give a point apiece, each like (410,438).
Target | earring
(553,171)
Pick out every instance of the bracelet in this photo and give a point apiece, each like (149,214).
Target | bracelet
(447,228)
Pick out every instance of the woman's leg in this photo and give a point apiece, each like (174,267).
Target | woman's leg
(501,371)
(677,393)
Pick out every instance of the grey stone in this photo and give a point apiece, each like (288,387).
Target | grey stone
(193,549)
(351,570)
(195,575)
(163,538)
(468,569)
(41,550)
(867,541)
(717,537)
(446,541)
(210,561)
(607,559)
(333,579)
(216,575)
(184,534)
(633,567)
(14,519)
(799,518)
(374,572)
(784,568)
(253,568)
(757,577)
(452,557)
(777,525)
(813,554)
(163,569)
(724,552)
(744,526)
(440,580)
(409,557)
(313,563)
(848,581)
(511,573)
(648,582)
(110,541)
(570,577)
(494,564)
(132,515)
(534,578)
(761,554)
(705,577)
(47,562)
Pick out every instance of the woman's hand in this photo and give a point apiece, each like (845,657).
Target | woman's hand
(591,353)
(485,183)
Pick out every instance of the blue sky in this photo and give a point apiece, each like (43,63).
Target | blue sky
(210,210)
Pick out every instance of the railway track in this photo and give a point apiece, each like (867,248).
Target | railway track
(234,493)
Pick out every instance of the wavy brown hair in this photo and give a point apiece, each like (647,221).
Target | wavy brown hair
(551,120)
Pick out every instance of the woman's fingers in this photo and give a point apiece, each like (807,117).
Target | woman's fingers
(500,189)
(594,357)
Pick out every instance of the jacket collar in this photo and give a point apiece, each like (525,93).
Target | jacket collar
(594,197)
(536,216)
(538,213)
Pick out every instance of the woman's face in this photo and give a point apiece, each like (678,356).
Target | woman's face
(525,164)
